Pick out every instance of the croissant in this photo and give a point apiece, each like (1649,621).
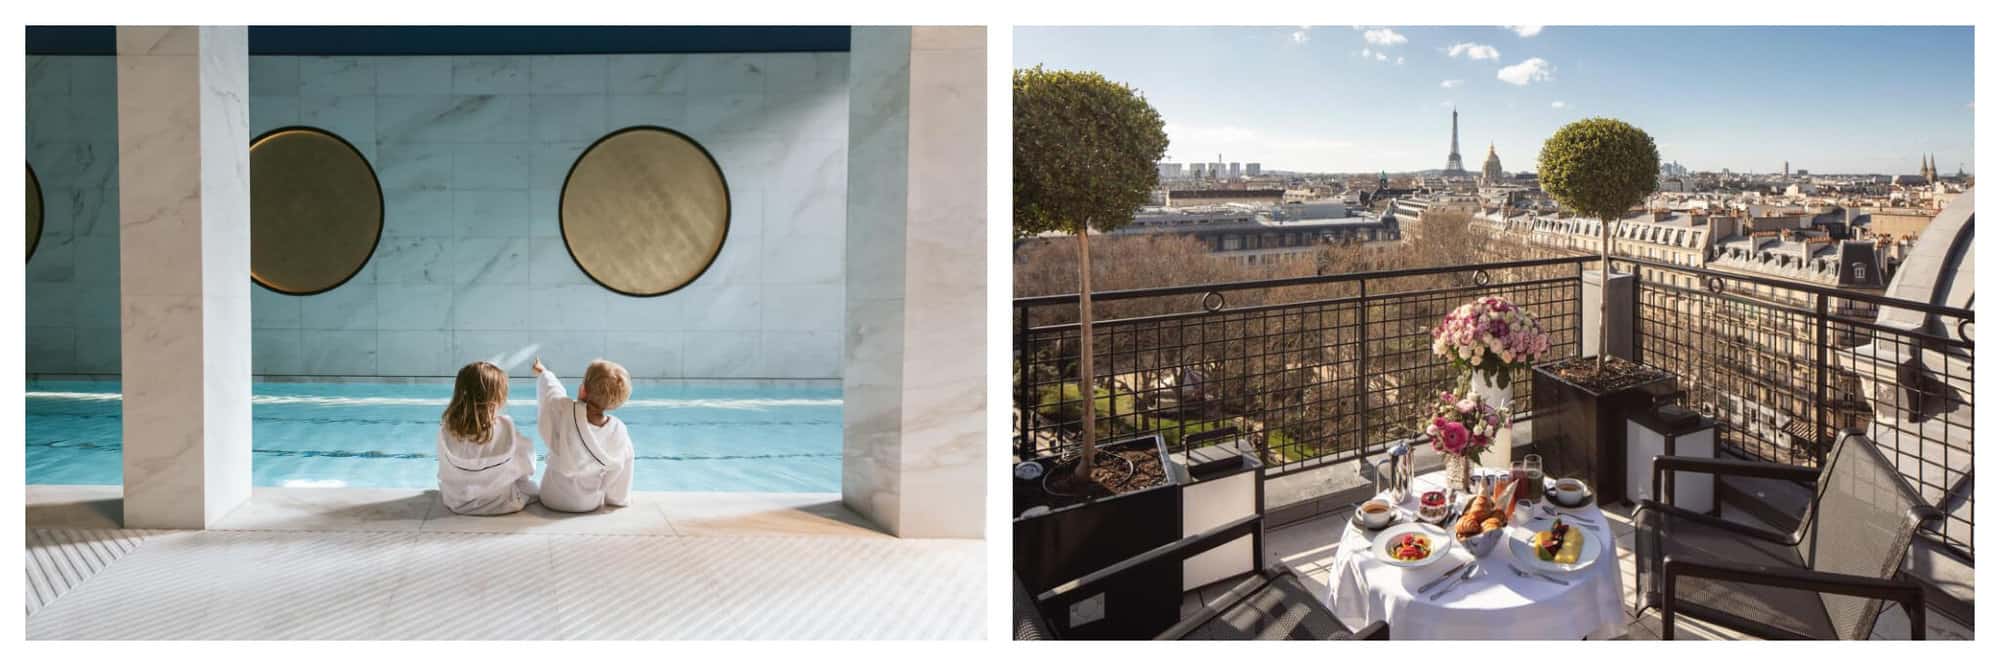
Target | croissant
(1468,525)
(1480,503)
(1491,524)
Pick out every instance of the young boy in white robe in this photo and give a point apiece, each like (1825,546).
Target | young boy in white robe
(590,454)
(486,466)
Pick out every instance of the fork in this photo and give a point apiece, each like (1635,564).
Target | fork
(1524,573)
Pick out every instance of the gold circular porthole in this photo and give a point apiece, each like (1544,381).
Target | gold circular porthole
(315,210)
(34,211)
(644,211)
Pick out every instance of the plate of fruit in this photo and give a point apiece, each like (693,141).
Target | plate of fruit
(1411,544)
(1561,547)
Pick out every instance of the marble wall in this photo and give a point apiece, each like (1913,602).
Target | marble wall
(471,153)
(915,384)
(72,139)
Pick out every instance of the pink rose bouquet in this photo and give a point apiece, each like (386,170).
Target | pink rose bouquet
(1463,425)
(1491,336)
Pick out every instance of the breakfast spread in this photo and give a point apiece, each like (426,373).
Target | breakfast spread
(1560,543)
(1409,547)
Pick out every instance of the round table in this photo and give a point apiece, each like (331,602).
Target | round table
(1495,603)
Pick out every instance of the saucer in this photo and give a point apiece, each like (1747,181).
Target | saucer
(1394,519)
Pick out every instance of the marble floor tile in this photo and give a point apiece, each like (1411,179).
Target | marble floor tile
(641,518)
(329,509)
(753,514)
(93,507)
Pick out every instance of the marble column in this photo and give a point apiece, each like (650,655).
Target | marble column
(184,280)
(915,360)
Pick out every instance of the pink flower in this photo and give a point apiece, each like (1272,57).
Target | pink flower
(1453,436)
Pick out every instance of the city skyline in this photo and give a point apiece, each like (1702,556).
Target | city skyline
(1365,98)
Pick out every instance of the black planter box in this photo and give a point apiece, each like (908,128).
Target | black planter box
(1064,544)
(1581,433)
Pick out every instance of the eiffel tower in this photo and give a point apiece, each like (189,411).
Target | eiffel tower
(1453,166)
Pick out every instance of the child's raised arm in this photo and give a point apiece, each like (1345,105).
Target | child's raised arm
(547,387)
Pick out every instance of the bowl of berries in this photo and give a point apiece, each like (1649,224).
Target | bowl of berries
(1411,545)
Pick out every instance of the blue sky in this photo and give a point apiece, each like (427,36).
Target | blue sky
(1346,98)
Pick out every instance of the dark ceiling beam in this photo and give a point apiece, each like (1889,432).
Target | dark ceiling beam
(479,40)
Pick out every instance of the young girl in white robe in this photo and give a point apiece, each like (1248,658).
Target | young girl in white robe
(486,466)
(590,454)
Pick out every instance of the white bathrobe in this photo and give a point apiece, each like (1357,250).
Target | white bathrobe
(589,466)
(487,479)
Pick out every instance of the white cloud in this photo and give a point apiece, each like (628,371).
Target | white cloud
(1384,37)
(1302,35)
(1528,71)
(1558,104)
(1380,56)
(1526,30)
(1474,51)
(1451,83)
(1399,60)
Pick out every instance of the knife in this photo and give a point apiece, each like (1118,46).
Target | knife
(1454,583)
(1447,576)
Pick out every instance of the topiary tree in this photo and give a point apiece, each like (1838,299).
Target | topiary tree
(1085,150)
(1599,167)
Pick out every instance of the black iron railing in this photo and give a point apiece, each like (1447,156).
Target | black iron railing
(1786,366)
(1315,370)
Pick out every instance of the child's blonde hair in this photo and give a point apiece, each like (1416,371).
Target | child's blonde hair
(606,385)
(476,399)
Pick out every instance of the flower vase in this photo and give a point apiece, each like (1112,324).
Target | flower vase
(1458,473)
(1502,448)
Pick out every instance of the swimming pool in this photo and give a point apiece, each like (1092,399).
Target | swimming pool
(713,436)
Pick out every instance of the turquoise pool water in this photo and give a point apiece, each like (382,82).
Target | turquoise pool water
(733,436)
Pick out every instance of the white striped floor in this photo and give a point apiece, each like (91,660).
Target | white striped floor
(59,559)
(240,585)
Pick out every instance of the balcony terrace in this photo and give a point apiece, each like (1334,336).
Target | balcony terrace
(1320,375)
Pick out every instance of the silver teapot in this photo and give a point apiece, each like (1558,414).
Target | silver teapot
(1401,474)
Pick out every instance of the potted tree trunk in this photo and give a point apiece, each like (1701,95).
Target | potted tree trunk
(1084,154)
(1601,168)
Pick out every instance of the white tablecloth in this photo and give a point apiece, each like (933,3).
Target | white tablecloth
(1495,604)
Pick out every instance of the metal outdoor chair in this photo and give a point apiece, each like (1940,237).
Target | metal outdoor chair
(1827,579)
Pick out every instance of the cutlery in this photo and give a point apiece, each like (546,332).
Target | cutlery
(1549,513)
(1455,583)
(1537,574)
(1574,521)
(1426,587)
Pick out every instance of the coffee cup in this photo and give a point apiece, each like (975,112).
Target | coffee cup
(1570,491)
(1376,513)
